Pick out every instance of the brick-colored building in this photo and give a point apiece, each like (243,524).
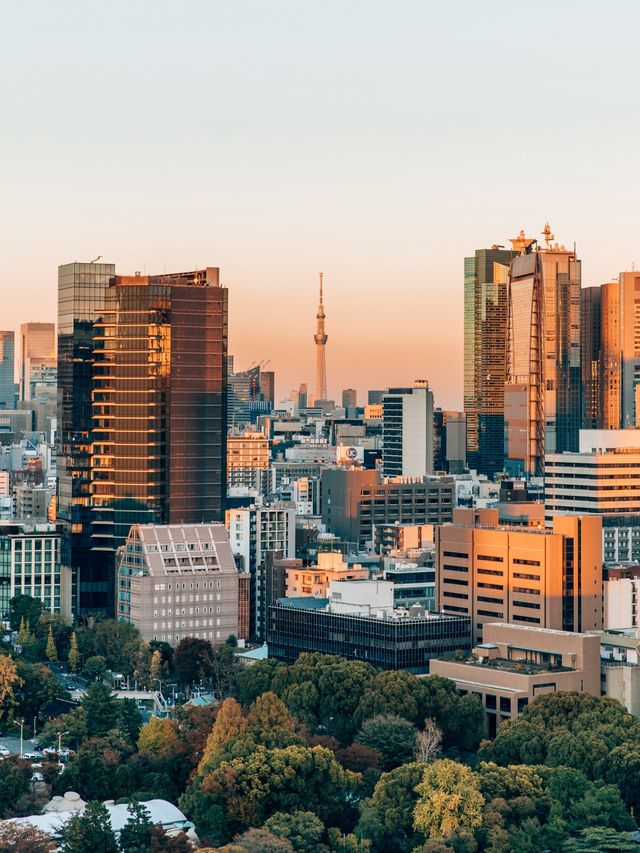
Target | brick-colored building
(516,664)
(528,576)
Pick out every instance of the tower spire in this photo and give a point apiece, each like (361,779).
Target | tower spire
(320,339)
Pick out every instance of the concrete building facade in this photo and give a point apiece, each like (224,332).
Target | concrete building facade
(178,580)
(407,431)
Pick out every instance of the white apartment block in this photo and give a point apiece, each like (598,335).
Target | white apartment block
(603,479)
(178,580)
(621,592)
(257,530)
(407,431)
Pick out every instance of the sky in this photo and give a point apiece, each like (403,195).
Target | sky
(378,142)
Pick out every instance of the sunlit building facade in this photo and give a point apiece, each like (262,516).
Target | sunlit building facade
(543,381)
(159,406)
(591,356)
(486,279)
(630,335)
(37,356)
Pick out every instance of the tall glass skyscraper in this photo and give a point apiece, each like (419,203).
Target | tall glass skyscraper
(486,277)
(543,383)
(7,370)
(159,407)
(81,294)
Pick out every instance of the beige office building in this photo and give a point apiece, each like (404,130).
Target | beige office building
(527,576)
(516,664)
(178,580)
(248,460)
(314,580)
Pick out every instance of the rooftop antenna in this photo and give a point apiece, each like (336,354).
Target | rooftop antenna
(99,258)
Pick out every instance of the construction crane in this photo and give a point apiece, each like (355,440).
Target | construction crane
(99,258)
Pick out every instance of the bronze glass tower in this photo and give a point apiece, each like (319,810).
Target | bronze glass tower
(159,405)
(486,277)
(591,356)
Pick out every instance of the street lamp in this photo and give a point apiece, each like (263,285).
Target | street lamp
(60,734)
(21,724)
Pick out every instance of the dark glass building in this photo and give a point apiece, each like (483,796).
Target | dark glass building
(299,625)
(486,279)
(81,291)
(159,407)
(142,364)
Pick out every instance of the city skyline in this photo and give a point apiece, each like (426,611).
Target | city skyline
(381,151)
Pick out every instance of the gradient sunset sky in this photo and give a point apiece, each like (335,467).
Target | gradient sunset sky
(379,142)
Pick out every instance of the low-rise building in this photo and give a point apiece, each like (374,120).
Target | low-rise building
(315,580)
(516,664)
(30,565)
(621,589)
(620,666)
(359,622)
(178,580)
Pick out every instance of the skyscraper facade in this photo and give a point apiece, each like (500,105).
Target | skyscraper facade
(630,334)
(611,356)
(7,370)
(160,374)
(543,382)
(591,356)
(81,297)
(486,280)
(320,339)
(37,355)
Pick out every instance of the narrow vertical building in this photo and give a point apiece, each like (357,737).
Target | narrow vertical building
(37,356)
(81,296)
(591,356)
(630,334)
(7,370)
(486,280)
(407,431)
(543,383)
(610,347)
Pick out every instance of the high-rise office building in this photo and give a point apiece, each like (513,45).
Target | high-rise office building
(349,398)
(407,431)
(486,280)
(543,381)
(591,356)
(611,356)
(159,406)
(630,335)
(81,296)
(7,370)
(37,356)
(268,387)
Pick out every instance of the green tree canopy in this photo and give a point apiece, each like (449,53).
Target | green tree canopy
(392,736)
(449,800)
(89,832)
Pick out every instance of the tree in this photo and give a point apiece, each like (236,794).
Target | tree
(15,779)
(24,607)
(359,757)
(74,724)
(95,667)
(10,681)
(192,660)
(450,800)
(118,643)
(89,832)
(230,723)
(270,722)
(386,818)
(392,692)
(258,841)
(74,655)
(302,829)
(51,651)
(135,835)
(101,710)
(393,737)
(250,788)
(598,838)
(129,720)
(39,686)
(253,680)
(429,742)
(223,669)
(158,738)
(161,842)
(155,669)
(23,838)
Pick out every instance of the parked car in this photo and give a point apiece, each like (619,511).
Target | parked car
(4,751)
(33,755)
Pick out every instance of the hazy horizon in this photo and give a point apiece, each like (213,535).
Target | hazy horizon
(380,143)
